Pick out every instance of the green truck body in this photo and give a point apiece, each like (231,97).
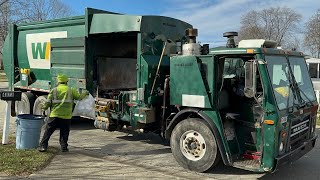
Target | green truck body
(252,107)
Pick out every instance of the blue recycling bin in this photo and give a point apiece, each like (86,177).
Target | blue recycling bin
(28,131)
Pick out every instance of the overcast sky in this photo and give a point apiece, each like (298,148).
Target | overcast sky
(211,17)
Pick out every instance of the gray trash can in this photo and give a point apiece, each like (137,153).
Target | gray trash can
(28,131)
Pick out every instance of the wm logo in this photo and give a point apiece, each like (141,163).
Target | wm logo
(38,47)
(41,50)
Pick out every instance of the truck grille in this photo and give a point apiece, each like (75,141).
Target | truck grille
(299,131)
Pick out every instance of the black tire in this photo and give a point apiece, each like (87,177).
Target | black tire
(25,106)
(37,107)
(193,135)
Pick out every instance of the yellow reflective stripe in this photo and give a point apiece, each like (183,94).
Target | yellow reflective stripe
(48,101)
(56,101)
(69,95)
(69,98)
(54,92)
(60,101)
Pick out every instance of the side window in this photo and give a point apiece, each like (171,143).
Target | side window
(313,70)
(233,67)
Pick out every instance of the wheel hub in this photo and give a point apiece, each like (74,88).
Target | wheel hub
(192,145)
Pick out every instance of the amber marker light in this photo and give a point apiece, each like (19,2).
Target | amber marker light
(270,122)
(250,51)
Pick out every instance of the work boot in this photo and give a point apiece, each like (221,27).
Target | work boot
(64,150)
(42,149)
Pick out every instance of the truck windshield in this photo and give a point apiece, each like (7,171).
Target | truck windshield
(288,91)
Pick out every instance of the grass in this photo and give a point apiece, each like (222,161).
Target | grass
(15,162)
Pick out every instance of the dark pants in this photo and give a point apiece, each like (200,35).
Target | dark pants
(51,126)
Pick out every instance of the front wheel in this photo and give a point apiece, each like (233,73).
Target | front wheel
(194,146)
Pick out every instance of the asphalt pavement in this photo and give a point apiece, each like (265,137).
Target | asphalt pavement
(97,154)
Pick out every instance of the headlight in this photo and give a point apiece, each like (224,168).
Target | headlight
(281,147)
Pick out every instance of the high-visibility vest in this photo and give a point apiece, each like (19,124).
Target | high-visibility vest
(69,98)
(62,108)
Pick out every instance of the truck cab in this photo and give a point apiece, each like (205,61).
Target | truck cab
(258,100)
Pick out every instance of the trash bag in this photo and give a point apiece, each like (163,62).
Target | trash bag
(85,108)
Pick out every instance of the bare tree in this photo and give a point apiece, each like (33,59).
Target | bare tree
(39,10)
(7,17)
(4,24)
(275,23)
(312,35)
(16,11)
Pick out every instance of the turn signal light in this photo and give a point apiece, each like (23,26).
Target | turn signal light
(250,51)
(270,122)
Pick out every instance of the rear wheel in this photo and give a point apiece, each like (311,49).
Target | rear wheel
(38,105)
(25,106)
(194,146)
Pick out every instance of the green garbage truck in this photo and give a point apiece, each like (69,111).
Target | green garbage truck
(251,106)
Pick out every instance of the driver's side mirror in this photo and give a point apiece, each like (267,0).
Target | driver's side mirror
(250,79)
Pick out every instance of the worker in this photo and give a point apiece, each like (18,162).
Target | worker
(60,100)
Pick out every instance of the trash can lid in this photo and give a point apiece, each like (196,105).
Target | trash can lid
(30,117)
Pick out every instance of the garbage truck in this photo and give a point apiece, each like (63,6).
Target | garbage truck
(250,105)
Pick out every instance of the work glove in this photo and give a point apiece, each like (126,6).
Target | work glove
(83,91)
(84,94)
(43,107)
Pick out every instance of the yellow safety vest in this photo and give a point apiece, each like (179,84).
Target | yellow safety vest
(61,101)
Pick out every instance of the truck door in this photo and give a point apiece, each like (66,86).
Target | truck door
(241,115)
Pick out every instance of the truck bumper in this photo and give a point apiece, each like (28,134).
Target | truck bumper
(296,154)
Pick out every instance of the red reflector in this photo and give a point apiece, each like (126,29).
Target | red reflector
(252,155)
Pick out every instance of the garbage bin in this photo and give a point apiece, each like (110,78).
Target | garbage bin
(28,131)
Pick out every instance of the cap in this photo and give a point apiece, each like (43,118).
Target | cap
(62,78)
